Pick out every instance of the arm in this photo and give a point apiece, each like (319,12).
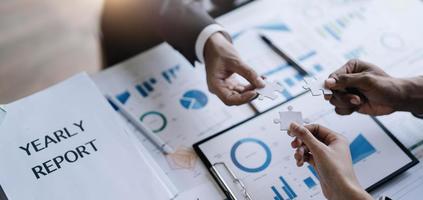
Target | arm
(365,88)
(329,154)
(195,34)
(412,92)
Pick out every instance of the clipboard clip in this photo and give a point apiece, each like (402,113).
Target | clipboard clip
(2,114)
(233,189)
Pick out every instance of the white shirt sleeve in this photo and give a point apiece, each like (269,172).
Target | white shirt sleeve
(204,36)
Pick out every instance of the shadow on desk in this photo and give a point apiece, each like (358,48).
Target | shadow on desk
(2,194)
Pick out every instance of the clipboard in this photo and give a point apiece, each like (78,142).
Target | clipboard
(235,188)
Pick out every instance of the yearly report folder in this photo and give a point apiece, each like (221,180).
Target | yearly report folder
(67,143)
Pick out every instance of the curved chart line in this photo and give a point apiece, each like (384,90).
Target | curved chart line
(250,169)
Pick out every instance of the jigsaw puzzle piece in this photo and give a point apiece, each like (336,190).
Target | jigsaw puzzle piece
(270,90)
(287,117)
(316,86)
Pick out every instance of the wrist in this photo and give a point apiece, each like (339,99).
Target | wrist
(411,95)
(355,191)
(215,43)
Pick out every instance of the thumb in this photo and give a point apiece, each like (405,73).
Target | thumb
(249,74)
(306,136)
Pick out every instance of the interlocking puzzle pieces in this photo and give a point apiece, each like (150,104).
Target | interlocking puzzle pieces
(287,117)
(270,90)
(316,86)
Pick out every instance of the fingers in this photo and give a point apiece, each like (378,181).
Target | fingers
(305,136)
(249,74)
(354,74)
(302,154)
(322,134)
(345,103)
(232,96)
(352,67)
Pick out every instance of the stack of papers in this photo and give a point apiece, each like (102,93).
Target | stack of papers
(67,143)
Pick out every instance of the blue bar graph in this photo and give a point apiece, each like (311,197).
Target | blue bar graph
(313,171)
(146,87)
(278,195)
(284,66)
(299,77)
(289,82)
(286,94)
(286,188)
(123,97)
(277,26)
(310,182)
(318,68)
(141,91)
(361,148)
(171,74)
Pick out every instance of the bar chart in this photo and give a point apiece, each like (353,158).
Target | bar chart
(288,192)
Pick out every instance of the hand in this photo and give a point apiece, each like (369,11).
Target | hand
(329,154)
(222,62)
(365,88)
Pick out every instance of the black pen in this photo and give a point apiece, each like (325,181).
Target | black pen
(288,59)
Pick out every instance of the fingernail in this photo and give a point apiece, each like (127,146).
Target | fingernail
(290,134)
(355,101)
(330,82)
(293,125)
(260,82)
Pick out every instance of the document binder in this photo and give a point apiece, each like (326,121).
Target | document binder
(231,185)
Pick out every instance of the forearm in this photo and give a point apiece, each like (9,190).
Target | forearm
(351,190)
(412,95)
(180,24)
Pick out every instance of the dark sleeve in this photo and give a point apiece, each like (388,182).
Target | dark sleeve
(129,27)
(180,24)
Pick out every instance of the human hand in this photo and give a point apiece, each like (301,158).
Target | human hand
(365,88)
(329,154)
(222,62)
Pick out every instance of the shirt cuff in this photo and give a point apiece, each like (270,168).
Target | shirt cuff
(204,36)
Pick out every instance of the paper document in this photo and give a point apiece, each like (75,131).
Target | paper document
(260,155)
(165,92)
(67,143)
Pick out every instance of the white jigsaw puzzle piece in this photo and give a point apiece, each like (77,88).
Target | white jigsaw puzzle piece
(269,90)
(287,117)
(316,86)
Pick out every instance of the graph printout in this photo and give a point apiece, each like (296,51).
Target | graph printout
(262,157)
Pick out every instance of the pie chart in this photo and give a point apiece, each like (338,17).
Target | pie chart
(194,100)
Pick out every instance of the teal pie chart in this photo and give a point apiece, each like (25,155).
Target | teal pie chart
(194,100)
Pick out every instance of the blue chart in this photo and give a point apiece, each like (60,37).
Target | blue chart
(286,188)
(313,171)
(355,53)
(361,148)
(171,74)
(275,26)
(194,100)
(123,97)
(310,182)
(260,144)
(336,27)
(146,87)
(291,82)
(156,121)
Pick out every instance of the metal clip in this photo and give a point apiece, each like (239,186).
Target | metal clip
(228,190)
